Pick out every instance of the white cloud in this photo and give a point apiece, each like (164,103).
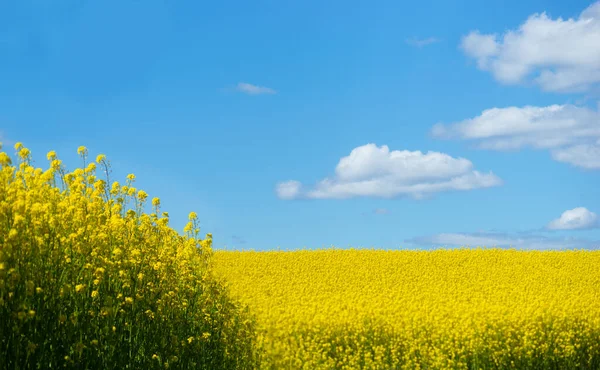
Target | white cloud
(288,189)
(560,55)
(576,218)
(254,89)
(503,240)
(583,155)
(572,133)
(422,42)
(372,171)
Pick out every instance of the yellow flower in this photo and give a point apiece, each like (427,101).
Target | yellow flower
(51,155)
(128,300)
(100,158)
(18,146)
(55,164)
(131,177)
(192,216)
(79,288)
(142,195)
(155,202)
(5,159)
(24,153)
(82,151)
(94,294)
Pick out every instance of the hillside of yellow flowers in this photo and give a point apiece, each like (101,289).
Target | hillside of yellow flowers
(442,309)
(90,281)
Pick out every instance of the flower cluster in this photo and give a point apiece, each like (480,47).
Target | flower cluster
(89,280)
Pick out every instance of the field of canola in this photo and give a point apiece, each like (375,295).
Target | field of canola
(463,309)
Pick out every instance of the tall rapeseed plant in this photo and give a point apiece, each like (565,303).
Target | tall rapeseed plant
(88,280)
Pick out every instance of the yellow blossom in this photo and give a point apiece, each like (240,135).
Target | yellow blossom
(24,153)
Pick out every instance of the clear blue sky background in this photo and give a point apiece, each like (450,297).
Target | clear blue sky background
(154,85)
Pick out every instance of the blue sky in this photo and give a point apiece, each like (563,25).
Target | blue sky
(310,124)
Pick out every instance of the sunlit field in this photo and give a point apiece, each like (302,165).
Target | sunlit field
(459,309)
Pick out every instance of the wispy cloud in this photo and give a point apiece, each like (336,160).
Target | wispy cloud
(573,219)
(571,133)
(372,171)
(559,54)
(422,42)
(503,240)
(288,189)
(250,89)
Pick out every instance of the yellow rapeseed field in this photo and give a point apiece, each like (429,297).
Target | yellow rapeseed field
(456,309)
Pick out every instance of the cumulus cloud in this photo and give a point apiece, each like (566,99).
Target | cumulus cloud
(372,171)
(571,133)
(422,42)
(560,55)
(254,89)
(576,218)
(503,240)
